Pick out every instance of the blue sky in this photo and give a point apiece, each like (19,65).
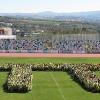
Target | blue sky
(33,6)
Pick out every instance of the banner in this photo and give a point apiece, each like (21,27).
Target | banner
(12,51)
(2,51)
(32,51)
(54,51)
(24,51)
(74,51)
(39,51)
(47,51)
(80,51)
(65,51)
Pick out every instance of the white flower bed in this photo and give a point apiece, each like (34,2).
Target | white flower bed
(20,79)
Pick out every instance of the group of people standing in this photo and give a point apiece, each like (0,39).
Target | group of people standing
(20,79)
(84,74)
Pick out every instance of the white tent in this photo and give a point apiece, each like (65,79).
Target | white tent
(7,36)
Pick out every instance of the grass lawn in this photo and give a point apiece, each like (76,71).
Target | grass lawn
(48,60)
(50,85)
(97,73)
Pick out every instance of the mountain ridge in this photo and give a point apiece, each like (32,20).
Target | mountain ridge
(50,13)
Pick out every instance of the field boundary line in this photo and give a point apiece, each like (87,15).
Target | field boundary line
(58,86)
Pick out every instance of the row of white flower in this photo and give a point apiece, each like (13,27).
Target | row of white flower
(20,79)
(47,66)
(88,79)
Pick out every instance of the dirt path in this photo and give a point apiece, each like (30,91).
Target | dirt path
(46,55)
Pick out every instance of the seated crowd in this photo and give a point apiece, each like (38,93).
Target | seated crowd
(49,46)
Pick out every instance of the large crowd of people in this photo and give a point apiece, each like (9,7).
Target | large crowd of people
(49,46)
(20,79)
(47,66)
(88,79)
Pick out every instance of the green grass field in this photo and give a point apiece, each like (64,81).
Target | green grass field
(48,60)
(50,85)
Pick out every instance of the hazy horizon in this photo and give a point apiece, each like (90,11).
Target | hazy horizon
(58,6)
(51,11)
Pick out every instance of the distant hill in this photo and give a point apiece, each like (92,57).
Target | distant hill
(91,15)
(49,13)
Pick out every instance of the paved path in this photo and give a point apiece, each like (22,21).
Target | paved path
(46,55)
